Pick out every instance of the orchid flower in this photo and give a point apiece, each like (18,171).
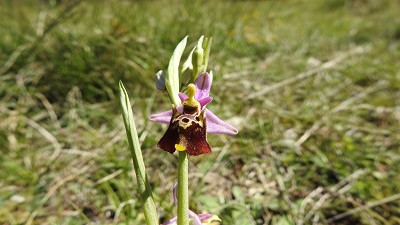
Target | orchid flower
(196,219)
(190,122)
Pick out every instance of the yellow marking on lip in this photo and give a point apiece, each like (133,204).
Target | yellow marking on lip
(179,147)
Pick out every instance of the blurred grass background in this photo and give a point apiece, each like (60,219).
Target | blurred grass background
(313,87)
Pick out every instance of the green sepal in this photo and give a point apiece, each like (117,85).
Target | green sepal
(207,46)
(172,77)
(197,58)
(188,65)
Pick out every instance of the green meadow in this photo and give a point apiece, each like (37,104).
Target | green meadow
(312,86)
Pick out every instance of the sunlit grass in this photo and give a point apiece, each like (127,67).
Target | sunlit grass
(309,147)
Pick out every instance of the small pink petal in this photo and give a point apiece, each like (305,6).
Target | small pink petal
(205,216)
(217,126)
(196,220)
(171,221)
(204,101)
(182,96)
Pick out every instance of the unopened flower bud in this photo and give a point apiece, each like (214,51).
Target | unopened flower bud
(160,80)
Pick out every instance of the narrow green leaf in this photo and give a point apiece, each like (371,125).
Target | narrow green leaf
(172,79)
(144,190)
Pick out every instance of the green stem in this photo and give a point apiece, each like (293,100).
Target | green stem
(183,197)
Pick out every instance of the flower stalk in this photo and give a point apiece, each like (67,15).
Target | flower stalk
(183,196)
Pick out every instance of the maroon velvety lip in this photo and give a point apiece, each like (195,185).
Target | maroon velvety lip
(187,130)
